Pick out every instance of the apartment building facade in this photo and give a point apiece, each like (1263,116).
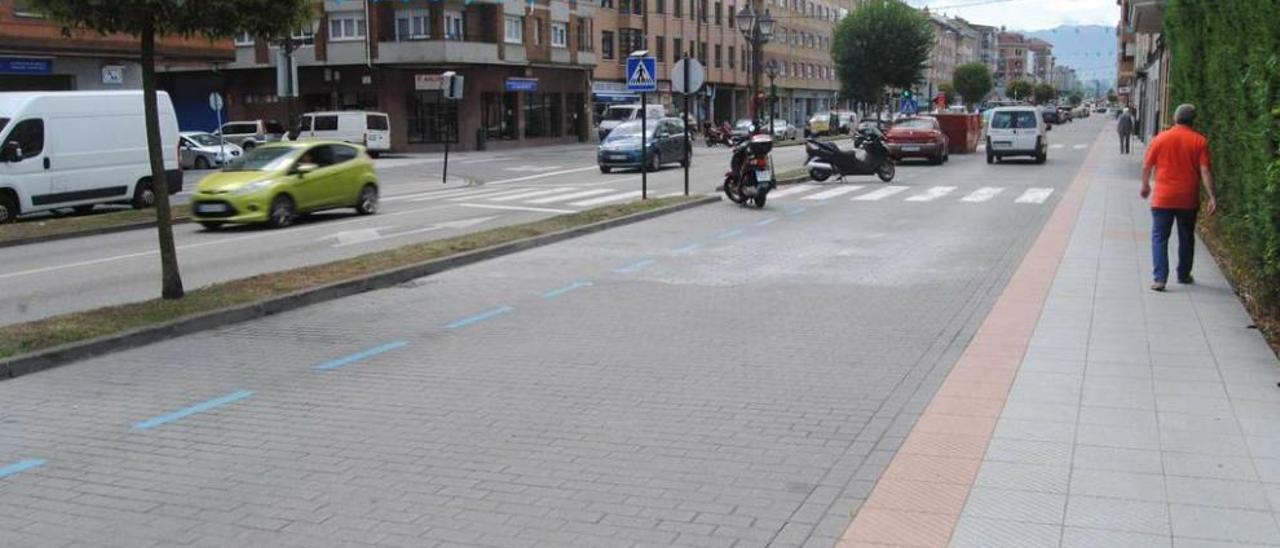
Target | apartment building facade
(955,43)
(1042,60)
(1144,64)
(1013,60)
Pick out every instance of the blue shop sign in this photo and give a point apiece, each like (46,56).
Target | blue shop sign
(21,65)
(522,84)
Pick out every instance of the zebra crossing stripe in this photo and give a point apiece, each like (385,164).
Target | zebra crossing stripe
(1035,195)
(1059,145)
(880,194)
(932,194)
(607,199)
(1079,147)
(439,194)
(983,194)
(793,190)
(828,194)
(571,196)
(487,194)
(531,194)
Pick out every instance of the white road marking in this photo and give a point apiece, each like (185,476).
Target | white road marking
(673,194)
(534,169)
(1059,145)
(1035,195)
(932,194)
(531,194)
(436,194)
(983,194)
(828,194)
(543,175)
(571,196)
(607,199)
(879,194)
(459,224)
(1079,147)
(488,195)
(793,190)
(518,208)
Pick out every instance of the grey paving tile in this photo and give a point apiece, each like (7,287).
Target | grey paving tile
(1124,485)
(1115,416)
(1075,537)
(1118,436)
(1029,452)
(1118,514)
(1039,411)
(1005,504)
(975,532)
(1209,466)
(1230,524)
(1118,459)
(1182,542)
(1035,430)
(1201,443)
(1217,492)
(1026,477)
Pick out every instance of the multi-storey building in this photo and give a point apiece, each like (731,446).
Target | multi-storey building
(988,46)
(1126,51)
(1011,64)
(1042,60)
(1143,23)
(955,43)
(1065,79)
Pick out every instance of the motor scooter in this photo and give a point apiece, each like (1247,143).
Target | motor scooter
(722,135)
(750,176)
(826,159)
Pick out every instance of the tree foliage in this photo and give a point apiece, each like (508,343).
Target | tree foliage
(883,44)
(972,82)
(1044,93)
(1226,61)
(1020,89)
(1075,98)
(1111,96)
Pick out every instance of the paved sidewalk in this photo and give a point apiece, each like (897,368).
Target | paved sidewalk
(1090,411)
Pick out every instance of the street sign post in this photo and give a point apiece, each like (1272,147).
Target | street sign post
(687,78)
(215,104)
(452,91)
(642,78)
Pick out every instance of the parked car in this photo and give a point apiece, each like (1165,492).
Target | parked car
(782,130)
(1049,115)
(200,150)
(846,121)
(1017,131)
(742,129)
(918,137)
(252,133)
(819,124)
(665,141)
(616,115)
(277,182)
(372,130)
(1065,115)
(76,149)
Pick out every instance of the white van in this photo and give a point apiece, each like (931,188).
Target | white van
(1017,131)
(615,115)
(371,129)
(80,148)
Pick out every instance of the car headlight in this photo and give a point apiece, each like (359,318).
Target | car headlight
(251,187)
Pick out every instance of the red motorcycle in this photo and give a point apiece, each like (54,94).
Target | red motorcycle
(722,135)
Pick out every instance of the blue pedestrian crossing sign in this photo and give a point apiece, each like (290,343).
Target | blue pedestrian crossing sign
(642,74)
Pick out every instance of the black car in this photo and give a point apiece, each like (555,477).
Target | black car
(1050,115)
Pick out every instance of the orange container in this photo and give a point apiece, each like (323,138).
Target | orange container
(962,130)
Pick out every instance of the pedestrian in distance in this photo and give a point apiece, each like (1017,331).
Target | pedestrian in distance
(1179,156)
(1124,127)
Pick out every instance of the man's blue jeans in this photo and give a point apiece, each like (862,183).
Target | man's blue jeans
(1161,226)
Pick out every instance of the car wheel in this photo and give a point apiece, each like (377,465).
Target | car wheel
(83,209)
(211,225)
(143,195)
(282,212)
(655,162)
(248,145)
(374,154)
(605,169)
(202,163)
(991,158)
(8,209)
(1042,158)
(368,203)
(936,160)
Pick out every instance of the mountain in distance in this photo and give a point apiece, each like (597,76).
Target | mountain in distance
(1090,49)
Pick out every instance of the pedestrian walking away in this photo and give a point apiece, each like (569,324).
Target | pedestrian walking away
(1179,158)
(1124,127)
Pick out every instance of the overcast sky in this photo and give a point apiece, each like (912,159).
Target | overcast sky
(1029,14)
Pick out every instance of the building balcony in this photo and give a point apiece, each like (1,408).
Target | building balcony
(1147,15)
(438,51)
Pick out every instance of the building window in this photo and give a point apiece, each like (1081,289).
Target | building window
(454,26)
(412,25)
(244,39)
(537,31)
(660,6)
(584,34)
(677,8)
(719,12)
(559,35)
(513,29)
(702,10)
(733,10)
(498,115)
(676,52)
(717,56)
(744,59)
(543,115)
(634,7)
(629,40)
(345,25)
(702,53)
(606,44)
(432,118)
(731,55)
(661,50)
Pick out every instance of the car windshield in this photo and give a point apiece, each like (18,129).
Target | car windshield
(744,124)
(618,113)
(203,139)
(1020,119)
(915,123)
(265,159)
(629,130)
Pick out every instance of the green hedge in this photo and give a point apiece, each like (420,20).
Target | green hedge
(1226,60)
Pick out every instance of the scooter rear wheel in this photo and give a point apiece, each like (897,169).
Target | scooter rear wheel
(886,171)
(733,192)
(818,175)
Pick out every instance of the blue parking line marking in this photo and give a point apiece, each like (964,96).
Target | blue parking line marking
(558,292)
(796,210)
(20,466)
(363,354)
(197,408)
(636,266)
(768,221)
(687,249)
(480,317)
(730,233)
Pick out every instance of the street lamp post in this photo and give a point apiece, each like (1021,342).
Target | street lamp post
(758,30)
(771,70)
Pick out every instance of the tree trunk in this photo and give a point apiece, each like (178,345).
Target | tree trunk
(171,280)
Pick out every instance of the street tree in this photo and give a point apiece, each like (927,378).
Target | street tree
(1075,98)
(948,90)
(1019,89)
(972,82)
(883,44)
(1111,96)
(148,19)
(1044,93)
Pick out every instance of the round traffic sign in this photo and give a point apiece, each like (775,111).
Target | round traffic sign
(215,101)
(697,76)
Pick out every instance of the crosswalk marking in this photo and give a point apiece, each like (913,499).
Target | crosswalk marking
(531,194)
(435,195)
(488,195)
(607,199)
(1079,147)
(983,194)
(793,190)
(1059,145)
(571,196)
(1034,195)
(518,208)
(828,194)
(932,194)
(882,193)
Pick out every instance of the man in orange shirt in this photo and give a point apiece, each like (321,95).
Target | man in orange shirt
(1180,158)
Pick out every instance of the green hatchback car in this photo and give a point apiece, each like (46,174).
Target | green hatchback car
(275,183)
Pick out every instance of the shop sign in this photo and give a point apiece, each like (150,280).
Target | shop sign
(22,65)
(428,82)
(522,84)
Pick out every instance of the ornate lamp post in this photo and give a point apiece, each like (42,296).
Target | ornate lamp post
(758,30)
(771,70)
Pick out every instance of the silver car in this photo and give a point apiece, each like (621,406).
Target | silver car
(200,150)
(782,130)
(251,133)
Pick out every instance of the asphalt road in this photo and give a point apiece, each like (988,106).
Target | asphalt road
(719,377)
(486,189)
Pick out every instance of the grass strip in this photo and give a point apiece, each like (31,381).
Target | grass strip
(79,326)
(55,226)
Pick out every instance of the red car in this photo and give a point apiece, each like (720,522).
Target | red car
(919,137)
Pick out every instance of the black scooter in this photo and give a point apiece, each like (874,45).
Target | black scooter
(825,159)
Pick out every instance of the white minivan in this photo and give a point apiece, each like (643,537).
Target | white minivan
(1017,131)
(616,115)
(371,129)
(76,149)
